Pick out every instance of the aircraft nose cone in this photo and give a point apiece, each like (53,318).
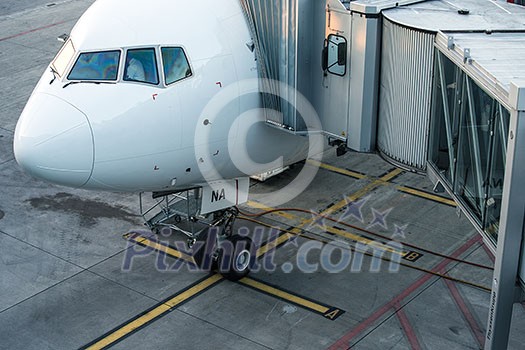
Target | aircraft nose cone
(54,142)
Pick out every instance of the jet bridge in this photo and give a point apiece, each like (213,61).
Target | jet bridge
(328,52)
(304,45)
(437,87)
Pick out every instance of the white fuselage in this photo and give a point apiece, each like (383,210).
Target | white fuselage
(133,136)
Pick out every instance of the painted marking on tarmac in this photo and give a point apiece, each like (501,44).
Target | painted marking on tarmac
(349,173)
(257,205)
(161,309)
(34,30)
(405,189)
(489,253)
(475,327)
(362,192)
(158,246)
(345,341)
(364,240)
(273,244)
(328,312)
(412,256)
(338,206)
(408,329)
(427,195)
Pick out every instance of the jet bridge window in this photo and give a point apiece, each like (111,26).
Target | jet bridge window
(102,66)
(176,66)
(141,66)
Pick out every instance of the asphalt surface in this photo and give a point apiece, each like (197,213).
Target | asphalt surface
(8,7)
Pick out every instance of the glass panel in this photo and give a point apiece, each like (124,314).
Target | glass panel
(96,66)
(444,136)
(497,172)
(176,66)
(468,143)
(63,58)
(141,66)
(474,149)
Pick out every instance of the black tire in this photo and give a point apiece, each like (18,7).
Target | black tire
(236,257)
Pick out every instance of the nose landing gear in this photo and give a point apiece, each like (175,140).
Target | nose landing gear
(211,239)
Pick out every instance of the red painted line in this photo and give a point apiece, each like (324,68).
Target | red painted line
(33,30)
(489,253)
(478,333)
(407,328)
(344,341)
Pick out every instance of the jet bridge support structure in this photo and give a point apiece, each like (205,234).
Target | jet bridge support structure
(511,245)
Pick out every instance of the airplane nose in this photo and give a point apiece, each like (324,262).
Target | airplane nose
(54,141)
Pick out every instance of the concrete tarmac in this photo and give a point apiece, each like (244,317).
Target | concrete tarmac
(65,282)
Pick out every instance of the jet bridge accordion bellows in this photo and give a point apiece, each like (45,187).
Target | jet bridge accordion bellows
(407,66)
(282,57)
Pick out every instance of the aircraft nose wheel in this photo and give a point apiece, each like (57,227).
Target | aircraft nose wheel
(236,257)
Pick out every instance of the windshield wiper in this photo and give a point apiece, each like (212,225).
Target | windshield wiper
(86,82)
(55,74)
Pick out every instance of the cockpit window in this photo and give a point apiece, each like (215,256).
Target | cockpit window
(141,66)
(176,66)
(63,58)
(96,66)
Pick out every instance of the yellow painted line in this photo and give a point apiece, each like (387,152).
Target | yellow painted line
(195,290)
(257,205)
(391,175)
(426,195)
(359,194)
(273,244)
(337,170)
(362,192)
(384,180)
(159,247)
(363,240)
(250,282)
(285,295)
(154,313)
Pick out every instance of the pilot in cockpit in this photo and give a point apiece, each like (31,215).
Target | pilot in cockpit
(135,70)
